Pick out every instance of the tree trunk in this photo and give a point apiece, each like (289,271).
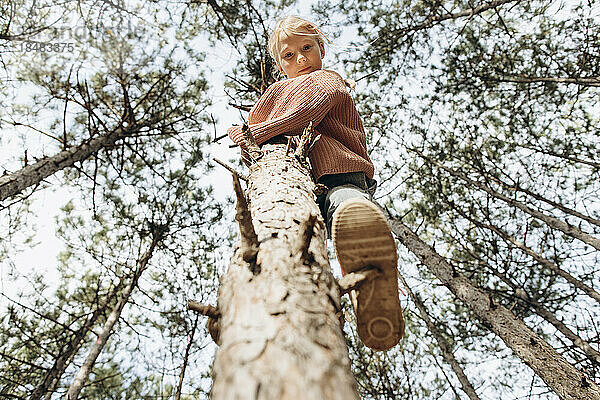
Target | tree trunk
(563,378)
(443,343)
(548,315)
(84,371)
(280,338)
(13,184)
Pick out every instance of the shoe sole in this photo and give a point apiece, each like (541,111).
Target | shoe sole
(362,238)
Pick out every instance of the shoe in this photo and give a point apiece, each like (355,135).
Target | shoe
(362,238)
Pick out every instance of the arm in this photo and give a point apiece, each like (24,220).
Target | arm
(289,107)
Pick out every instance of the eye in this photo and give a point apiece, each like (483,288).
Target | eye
(288,54)
(307,47)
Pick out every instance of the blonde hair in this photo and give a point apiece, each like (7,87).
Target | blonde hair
(289,26)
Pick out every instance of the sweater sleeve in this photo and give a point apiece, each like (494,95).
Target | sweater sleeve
(288,106)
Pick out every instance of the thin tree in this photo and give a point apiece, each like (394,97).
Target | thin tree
(51,379)
(32,175)
(185,359)
(445,347)
(539,308)
(590,291)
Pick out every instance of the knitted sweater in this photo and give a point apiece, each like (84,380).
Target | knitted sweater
(321,96)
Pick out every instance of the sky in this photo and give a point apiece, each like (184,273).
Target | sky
(41,223)
(46,202)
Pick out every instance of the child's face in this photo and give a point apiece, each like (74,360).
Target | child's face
(300,55)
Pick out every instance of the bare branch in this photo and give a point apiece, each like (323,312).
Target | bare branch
(354,279)
(432,20)
(592,164)
(14,123)
(249,239)
(590,81)
(22,361)
(231,169)
(204,309)
(242,107)
(306,141)
(253,150)
(214,323)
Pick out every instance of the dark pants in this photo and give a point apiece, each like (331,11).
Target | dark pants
(342,187)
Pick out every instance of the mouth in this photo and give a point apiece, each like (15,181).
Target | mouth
(304,70)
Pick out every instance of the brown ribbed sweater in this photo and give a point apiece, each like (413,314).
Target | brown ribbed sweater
(321,96)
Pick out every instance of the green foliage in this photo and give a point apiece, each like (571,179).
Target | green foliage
(506,97)
(511,105)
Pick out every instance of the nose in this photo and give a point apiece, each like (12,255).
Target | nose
(300,58)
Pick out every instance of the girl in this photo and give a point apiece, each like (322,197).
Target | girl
(339,161)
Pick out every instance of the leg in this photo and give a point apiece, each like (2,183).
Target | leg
(336,196)
(362,238)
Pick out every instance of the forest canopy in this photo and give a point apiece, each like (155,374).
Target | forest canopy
(482,120)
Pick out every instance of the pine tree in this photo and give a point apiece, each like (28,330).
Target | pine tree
(153,175)
(279,303)
(490,155)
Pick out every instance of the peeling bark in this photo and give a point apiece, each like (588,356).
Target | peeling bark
(280,337)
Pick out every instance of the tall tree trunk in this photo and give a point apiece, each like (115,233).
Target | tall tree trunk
(563,378)
(85,369)
(543,312)
(13,184)
(442,342)
(549,316)
(280,338)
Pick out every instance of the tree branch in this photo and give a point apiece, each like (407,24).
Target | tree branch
(249,239)
(590,81)
(231,169)
(204,309)
(354,279)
